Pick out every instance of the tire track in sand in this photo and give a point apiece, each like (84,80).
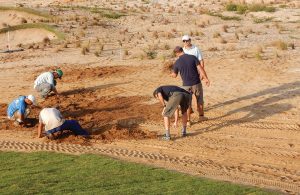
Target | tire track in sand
(207,168)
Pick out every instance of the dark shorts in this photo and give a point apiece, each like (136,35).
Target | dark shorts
(178,98)
(197,90)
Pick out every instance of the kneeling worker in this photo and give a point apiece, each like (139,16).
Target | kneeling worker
(174,96)
(52,121)
(46,82)
(18,109)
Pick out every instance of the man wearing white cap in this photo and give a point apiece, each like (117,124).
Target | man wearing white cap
(18,109)
(190,49)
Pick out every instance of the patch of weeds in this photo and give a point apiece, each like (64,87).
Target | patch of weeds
(242,8)
(280,45)
(262,20)
(224,17)
(151,54)
(260,8)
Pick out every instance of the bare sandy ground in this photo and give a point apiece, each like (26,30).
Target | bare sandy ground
(253,133)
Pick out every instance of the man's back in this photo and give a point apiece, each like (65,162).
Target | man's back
(51,118)
(17,104)
(46,77)
(187,66)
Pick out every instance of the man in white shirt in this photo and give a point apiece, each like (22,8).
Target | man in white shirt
(52,121)
(46,82)
(189,48)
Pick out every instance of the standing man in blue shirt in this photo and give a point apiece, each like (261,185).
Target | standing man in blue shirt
(18,109)
(191,73)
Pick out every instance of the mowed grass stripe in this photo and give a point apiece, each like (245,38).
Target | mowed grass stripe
(53,173)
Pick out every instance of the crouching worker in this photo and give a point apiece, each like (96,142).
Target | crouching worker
(174,96)
(52,122)
(18,110)
(46,82)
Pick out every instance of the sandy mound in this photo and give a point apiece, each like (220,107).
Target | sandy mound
(25,36)
(14,18)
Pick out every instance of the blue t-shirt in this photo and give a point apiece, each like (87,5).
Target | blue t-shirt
(187,66)
(17,105)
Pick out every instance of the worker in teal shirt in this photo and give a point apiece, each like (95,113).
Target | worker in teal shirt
(18,109)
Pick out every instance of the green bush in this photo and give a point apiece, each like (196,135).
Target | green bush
(231,7)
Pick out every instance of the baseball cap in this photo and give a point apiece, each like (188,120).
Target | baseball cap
(186,37)
(59,72)
(32,99)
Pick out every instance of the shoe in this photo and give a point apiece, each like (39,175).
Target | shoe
(202,118)
(166,138)
(183,134)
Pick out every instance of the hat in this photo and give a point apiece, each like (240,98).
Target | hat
(32,99)
(59,72)
(186,38)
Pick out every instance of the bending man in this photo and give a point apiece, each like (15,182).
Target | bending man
(174,96)
(52,121)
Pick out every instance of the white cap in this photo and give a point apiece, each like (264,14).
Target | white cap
(186,37)
(32,99)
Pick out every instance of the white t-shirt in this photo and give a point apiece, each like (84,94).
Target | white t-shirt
(46,77)
(195,51)
(51,118)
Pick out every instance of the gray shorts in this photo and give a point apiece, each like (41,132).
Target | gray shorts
(197,90)
(44,89)
(177,98)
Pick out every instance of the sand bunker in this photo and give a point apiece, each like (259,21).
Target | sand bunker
(25,36)
(14,18)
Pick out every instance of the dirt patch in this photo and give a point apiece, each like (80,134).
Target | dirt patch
(77,73)
(106,118)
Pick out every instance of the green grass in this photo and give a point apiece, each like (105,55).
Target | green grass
(242,8)
(262,20)
(27,10)
(224,17)
(107,13)
(52,173)
(47,27)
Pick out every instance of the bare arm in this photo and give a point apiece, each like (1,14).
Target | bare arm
(40,129)
(161,99)
(55,90)
(202,63)
(203,75)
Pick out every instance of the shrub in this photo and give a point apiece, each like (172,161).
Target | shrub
(280,45)
(151,54)
(231,7)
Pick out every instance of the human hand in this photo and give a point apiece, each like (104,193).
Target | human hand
(207,82)
(175,124)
